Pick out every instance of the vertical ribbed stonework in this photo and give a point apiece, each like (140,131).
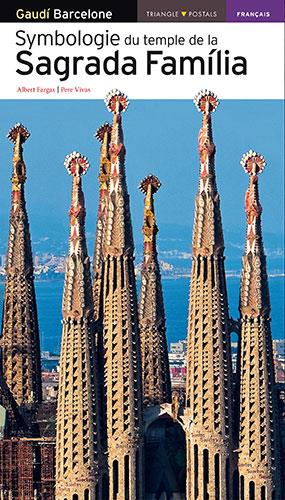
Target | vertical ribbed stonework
(258,435)
(208,387)
(20,333)
(77,438)
(103,135)
(155,365)
(122,366)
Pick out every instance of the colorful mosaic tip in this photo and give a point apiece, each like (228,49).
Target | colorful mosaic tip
(252,162)
(101,131)
(76,164)
(150,179)
(116,96)
(204,97)
(18,129)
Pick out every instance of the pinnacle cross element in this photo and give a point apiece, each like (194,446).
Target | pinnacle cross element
(155,365)
(20,333)
(78,456)
(258,461)
(122,365)
(208,386)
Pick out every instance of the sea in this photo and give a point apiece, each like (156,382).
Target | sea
(176,294)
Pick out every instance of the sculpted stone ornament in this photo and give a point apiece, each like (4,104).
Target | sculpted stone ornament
(122,400)
(208,412)
(155,364)
(20,332)
(79,461)
(259,454)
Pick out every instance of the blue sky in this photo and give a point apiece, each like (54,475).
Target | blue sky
(161,138)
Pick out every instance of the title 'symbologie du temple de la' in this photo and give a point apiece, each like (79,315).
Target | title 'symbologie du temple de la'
(118,430)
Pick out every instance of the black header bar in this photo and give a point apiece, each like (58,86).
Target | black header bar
(60,11)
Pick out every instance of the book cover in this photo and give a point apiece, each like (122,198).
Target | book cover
(142,342)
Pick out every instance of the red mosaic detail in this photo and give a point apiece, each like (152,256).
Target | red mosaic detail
(115,150)
(100,133)
(252,207)
(76,164)
(254,165)
(212,100)
(123,103)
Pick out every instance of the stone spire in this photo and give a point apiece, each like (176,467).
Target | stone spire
(258,435)
(103,135)
(20,332)
(77,439)
(122,366)
(155,365)
(208,387)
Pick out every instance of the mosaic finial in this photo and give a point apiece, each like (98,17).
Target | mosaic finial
(150,179)
(76,164)
(206,101)
(116,101)
(100,132)
(252,162)
(16,130)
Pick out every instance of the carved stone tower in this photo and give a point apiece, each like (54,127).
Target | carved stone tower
(258,434)
(78,456)
(103,135)
(155,365)
(122,365)
(208,386)
(20,333)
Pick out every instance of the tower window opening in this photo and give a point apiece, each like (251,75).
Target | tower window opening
(196,471)
(105,487)
(205,269)
(127,476)
(217,476)
(236,485)
(228,494)
(251,490)
(86,494)
(241,488)
(263,493)
(205,474)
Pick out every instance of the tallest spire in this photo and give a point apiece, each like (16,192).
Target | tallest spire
(20,333)
(208,387)
(122,367)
